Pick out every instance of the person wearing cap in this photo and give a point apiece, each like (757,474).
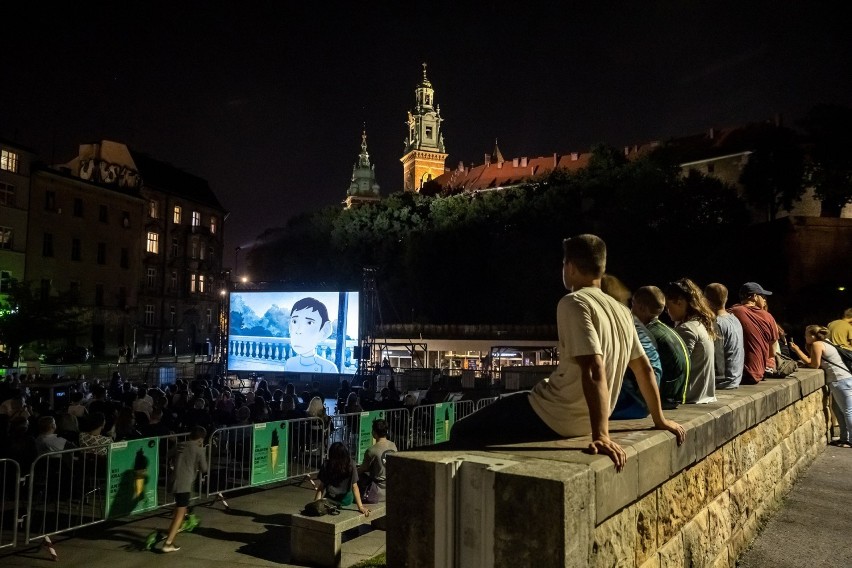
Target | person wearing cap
(760,331)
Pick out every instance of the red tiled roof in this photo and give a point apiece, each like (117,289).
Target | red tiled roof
(504,174)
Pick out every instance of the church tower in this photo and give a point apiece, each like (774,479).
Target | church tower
(362,187)
(424,146)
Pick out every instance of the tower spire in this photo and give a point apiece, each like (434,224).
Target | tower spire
(424,146)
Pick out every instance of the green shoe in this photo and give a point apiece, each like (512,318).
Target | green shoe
(190,522)
(152,540)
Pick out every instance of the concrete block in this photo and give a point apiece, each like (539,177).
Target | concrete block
(539,507)
(655,460)
(647,517)
(810,380)
(700,441)
(740,409)
(720,527)
(613,490)
(723,429)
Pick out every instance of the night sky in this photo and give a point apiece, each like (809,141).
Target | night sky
(267,101)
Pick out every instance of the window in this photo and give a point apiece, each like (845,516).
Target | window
(122,297)
(47,245)
(7,194)
(177,215)
(209,316)
(193,282)
(153,244)
(213,225)
(429,132)
(6,238)
(200,283)
(151,277)
(50,200)
(125,258)
(174,284)
(76,250)
(78,207)
(172,315)
(210,255)
(175,248)
(5,281)
(8,161)
(196,218)
(125,219)
(45,288)
(101,253)
(99,294)
(194,249)
(149,314)
(154,209)
(102,214)
(201,250)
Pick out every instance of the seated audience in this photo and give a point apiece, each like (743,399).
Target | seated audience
(695,321)
(371,478)
(728,349)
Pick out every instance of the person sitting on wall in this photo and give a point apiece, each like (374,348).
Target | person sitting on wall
(309,326)
(760,331)
(729,351)
(597,343)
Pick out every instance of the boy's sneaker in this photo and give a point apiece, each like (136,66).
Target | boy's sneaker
(152,540)
(170,548)
(190,522)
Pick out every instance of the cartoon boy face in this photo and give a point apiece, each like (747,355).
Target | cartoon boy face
(307,330)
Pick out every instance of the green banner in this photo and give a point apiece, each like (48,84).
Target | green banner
(134,468)
(269,452)
(445,417)
(365,437)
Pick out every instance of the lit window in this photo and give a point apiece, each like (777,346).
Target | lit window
(200,283)
(177,215)
(7,194)
(193,282)
(5,281)
(76,249)
(153,244)
(6,238)
(8,161)
(101,253)
(196,218)
(151,277)
(149,314)
(213,225)
(154,209)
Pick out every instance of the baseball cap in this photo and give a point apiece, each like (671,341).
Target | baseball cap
(750,288)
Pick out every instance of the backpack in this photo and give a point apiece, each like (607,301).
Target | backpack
(845,356)
(320,508)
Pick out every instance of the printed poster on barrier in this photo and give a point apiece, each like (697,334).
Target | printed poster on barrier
(269,452)
(445,417)
(133,475)
(365,437)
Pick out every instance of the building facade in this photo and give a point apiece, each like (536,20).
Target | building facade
(15,164)
(424,155)
(83,242)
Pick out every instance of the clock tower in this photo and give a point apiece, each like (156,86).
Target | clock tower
(424,153)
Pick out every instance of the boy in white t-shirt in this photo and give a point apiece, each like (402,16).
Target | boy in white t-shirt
(597,343)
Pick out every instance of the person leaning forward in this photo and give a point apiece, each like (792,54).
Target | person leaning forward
(597,343)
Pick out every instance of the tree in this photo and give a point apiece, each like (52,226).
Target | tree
(27,316)
(773,178)
(829,167)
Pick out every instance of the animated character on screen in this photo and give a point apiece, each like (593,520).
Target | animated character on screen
(309,326)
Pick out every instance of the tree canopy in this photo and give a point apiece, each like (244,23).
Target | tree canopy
(495,256)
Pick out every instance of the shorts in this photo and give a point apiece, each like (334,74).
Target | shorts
(182,499)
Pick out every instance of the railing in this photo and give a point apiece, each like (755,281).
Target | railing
(80,487)
(10,475)
(483,402)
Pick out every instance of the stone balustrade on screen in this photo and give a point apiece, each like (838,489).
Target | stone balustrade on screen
(551,504)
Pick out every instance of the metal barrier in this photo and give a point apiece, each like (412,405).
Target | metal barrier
(423,425)
(483,402)
(464,408)
(346,428)
(231,453)
(10,474)
(168,445)
(67,491)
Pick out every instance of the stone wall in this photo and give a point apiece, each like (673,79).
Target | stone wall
(550,504)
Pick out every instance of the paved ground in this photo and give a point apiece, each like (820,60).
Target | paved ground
(251,533)
(813,528)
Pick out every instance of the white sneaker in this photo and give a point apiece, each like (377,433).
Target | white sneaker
(170,548)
